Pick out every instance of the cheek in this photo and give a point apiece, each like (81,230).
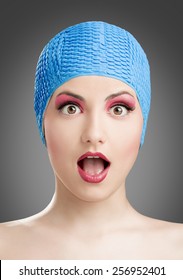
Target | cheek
(129,143)
(57,141)
(133,138)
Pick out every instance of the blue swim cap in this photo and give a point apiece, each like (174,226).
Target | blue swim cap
(92,48)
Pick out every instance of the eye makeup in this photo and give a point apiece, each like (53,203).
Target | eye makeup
(65,99)
(125,100)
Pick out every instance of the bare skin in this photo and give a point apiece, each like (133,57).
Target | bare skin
(131,236)
(84,220)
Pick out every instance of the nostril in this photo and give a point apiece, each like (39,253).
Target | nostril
(93,135)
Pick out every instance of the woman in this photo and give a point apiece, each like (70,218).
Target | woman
(92,100)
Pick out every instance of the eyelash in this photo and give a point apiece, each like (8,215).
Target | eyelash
(128,108)
(61,106)
(123,105)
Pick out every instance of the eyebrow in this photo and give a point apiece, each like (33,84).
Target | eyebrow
(72,94)
(111,96)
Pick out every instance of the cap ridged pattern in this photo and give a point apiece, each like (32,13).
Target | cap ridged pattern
(92,48)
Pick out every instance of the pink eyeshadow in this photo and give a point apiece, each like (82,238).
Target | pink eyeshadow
(125,99)
(64,98)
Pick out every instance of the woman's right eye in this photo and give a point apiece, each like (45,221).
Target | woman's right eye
(70,109)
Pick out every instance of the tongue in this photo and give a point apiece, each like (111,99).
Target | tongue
(93,166)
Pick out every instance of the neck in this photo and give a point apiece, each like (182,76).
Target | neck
(99,215)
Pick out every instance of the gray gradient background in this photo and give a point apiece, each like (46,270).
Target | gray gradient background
(155,185)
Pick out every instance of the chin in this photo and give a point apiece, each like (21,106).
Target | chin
(94,192)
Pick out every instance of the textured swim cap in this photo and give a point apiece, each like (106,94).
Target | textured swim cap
(92,48)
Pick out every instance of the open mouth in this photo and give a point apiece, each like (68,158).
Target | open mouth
(93,167)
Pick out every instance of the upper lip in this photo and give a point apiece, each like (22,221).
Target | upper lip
(96,154)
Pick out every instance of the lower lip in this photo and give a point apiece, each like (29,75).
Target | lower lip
(93,178)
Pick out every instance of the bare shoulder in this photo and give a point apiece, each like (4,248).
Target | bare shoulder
(13,238)
(9,233)
(174,235)
(169,237)
(175,231)
(10,228)
(170,228)
(7,230)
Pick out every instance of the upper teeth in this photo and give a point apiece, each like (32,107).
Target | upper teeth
(92,157)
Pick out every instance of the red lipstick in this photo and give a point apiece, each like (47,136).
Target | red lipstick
(93,167)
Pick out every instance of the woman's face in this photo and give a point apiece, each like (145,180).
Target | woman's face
(93,129)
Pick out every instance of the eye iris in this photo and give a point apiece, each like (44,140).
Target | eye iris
(71,109)
(118,110)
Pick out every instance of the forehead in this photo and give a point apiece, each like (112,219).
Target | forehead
(94,86)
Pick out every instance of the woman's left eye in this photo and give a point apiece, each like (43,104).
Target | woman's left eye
(70,109)
(119,110)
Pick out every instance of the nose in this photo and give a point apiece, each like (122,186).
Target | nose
(93,132)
